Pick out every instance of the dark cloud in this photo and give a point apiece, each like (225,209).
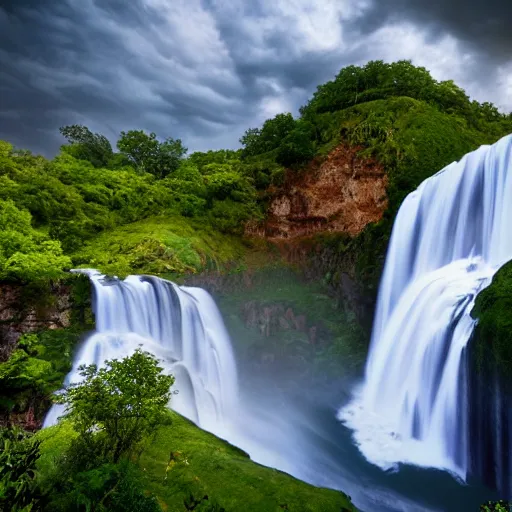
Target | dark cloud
(483,25)
(206,70)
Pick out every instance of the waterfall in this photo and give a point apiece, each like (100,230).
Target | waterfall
(449,238)
(181,326)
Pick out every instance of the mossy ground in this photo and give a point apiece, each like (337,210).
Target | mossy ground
(205,465)
(169,245)
(493,334)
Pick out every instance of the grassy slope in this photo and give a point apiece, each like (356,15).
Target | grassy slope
(160,245)
(213,467)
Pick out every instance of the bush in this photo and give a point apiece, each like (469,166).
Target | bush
(104,488)
(25,254)
(115,407)
(35,370)
(19,452)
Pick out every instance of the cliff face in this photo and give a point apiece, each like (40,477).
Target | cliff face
(21,312)
(342,193)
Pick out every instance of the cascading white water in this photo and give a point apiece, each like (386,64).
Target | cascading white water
(182,327)
(449,238)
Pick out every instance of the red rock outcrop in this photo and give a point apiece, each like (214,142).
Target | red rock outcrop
(342,193)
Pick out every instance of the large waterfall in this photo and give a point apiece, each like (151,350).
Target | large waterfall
(182,327)
(449,238)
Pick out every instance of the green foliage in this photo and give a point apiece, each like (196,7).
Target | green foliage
(495,506)
(150,155)
(161,245)
(104,488)
(222,156)
(19,453)
(378,80)
(396,113)
(73,202)
(297,147)
(493,334)
(413,140)
(35,370)
(183,460)
(112,413)
(115,407)
(25,254)
(85,145)
(258,141)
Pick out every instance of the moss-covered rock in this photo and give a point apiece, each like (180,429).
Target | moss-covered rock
(493,333)
(35,370)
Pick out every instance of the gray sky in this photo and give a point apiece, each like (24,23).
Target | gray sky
(206,70)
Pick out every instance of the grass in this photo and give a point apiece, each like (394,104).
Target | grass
(206,465)
(160,245)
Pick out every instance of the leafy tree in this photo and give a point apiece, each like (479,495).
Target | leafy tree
(25,254)
(222,156)
(258,141)
(115,407)
(18,456)
(149,155)
(297,147)
(86,145)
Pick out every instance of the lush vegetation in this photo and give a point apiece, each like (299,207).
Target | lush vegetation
(19,452)
(167,245)
(147,207)
(35,370)
(116,407)
(49,209)
(493,334)
(120,449)
(396,113)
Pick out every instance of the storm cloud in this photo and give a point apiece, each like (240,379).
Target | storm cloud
(206,70)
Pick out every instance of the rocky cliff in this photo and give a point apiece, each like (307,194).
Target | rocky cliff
(24,310)
(342,193)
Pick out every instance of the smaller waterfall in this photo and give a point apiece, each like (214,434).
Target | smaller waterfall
(182,327)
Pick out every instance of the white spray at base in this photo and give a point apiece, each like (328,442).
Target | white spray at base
(449,238)
(182,327)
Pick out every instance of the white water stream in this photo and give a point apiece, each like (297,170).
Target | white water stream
(182,327)
(449,238)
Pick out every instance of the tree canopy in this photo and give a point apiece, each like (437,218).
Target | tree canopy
(147,154)
(85,145)
(118,405)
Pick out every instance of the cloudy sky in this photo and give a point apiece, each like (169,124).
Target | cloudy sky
(206,70)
